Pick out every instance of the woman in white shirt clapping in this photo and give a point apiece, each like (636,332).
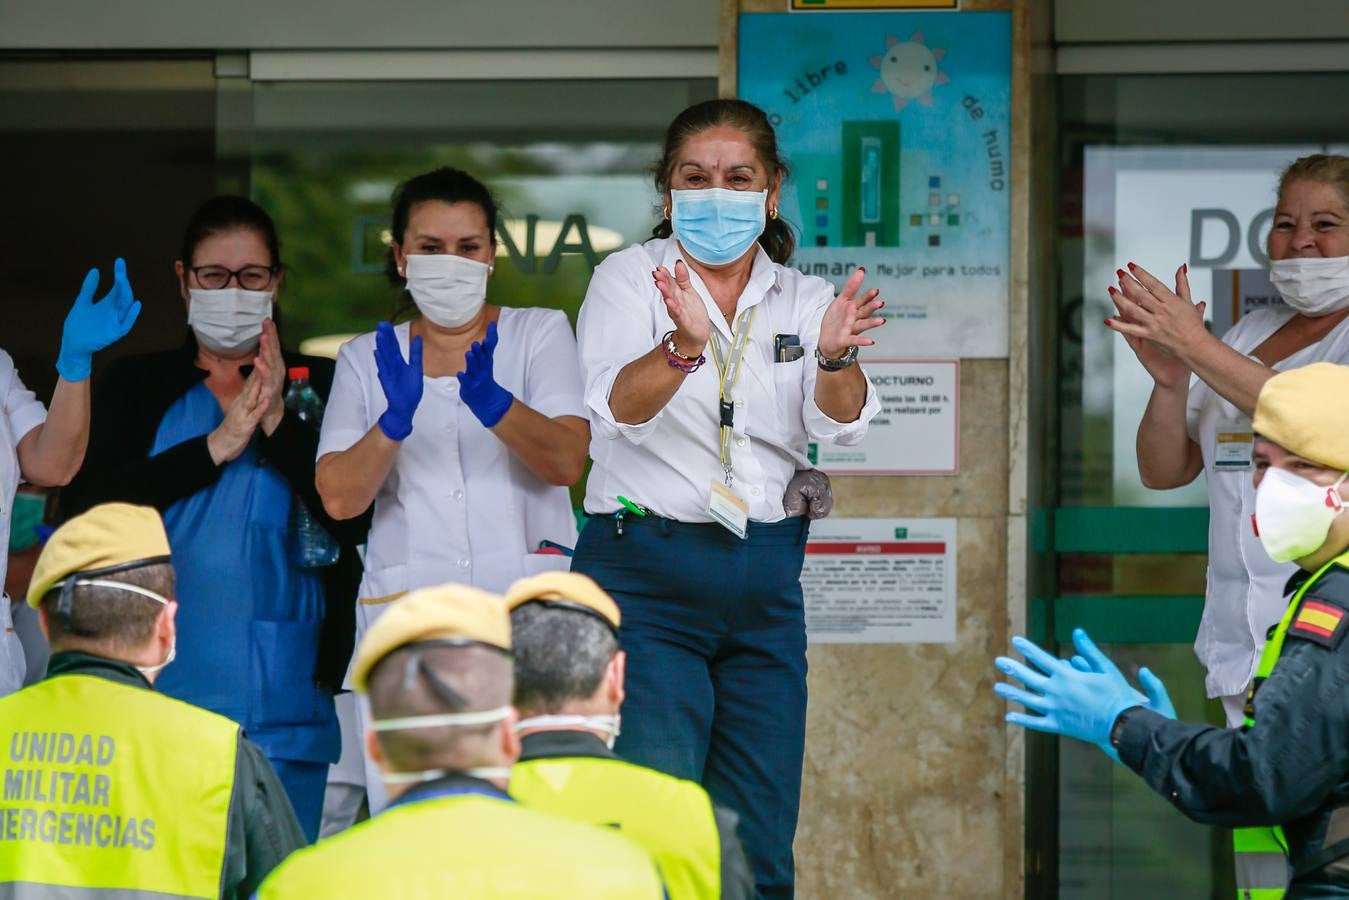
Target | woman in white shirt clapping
(1199,416)
(709,366)
(464,427)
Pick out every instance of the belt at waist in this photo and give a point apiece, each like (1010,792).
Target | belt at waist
(792,530)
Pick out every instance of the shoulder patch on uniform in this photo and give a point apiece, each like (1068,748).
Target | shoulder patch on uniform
(1320,622)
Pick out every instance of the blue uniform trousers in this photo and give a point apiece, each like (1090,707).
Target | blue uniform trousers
(714,628)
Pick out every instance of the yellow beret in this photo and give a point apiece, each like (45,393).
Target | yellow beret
(449,612)
(565,589)
(1300,411)
(109,536)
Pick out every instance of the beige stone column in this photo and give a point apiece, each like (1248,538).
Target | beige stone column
(914,785)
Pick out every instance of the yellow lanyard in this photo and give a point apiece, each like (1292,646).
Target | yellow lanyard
(728,369)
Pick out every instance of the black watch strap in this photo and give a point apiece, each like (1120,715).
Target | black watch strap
(1117,730)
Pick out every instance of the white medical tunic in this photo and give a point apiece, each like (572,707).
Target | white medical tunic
(458,506)
(1244,594)
(22,413)
(669,462)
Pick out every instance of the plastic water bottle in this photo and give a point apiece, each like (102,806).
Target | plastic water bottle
(311,546)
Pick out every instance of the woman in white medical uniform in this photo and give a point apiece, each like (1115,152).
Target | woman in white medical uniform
(1199,416)
(465,427)
(44,447)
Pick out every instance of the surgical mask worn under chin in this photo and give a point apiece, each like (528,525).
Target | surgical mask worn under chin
(144,592)
(1293,515)
(715,225)
(229,320)
(449,290)
(1314,286)
(440,720)
(610,725)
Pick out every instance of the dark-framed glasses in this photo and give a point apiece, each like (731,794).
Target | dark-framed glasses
(250,278)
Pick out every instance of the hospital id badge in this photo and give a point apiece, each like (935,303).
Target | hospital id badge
(1233,446)
(728,509)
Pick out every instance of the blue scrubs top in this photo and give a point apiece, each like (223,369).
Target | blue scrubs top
(248,620)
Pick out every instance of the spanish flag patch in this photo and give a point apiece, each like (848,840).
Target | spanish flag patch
(1320,622)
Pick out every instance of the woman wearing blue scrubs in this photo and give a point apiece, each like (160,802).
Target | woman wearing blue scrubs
(708,367)
(202,434)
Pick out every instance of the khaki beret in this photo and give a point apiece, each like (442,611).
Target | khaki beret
(565,589)
(449,612)
(107,538)
(1300,411)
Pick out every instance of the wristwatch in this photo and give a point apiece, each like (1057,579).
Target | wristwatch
(836,365)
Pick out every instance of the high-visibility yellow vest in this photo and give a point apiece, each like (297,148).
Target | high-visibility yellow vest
(1261,853)
(467,845)
(112,788)
(669,817)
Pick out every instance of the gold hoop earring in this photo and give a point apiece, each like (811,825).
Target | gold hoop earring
(665,212)
(773,213)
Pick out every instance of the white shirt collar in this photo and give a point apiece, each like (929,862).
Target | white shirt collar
(764,275)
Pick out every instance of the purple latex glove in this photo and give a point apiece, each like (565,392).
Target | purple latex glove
(477,388)
(401,381)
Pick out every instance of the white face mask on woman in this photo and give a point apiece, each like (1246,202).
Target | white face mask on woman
(1293,515)
(228,321)
(449,290)
(1312,285)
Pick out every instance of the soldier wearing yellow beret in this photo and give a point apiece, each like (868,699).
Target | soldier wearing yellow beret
(1288,766)
(569,691)
(110,787)
(437,672)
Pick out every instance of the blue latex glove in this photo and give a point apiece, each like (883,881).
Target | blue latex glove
(1090,658)
(481,394)
(91,326)
(1077,704)
(401,381)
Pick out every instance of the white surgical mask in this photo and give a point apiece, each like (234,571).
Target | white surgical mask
(449,290)
(1312,285)
(147,671)
(440,720)
(610,725)
(1294,515)
(228,321)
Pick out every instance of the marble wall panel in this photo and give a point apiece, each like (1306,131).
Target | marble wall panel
(905,753)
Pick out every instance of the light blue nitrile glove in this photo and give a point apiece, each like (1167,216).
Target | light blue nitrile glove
(481,394)
(401,381)
(91,326)
(1090,658)
(1077,704)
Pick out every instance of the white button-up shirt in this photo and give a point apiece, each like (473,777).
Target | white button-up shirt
(1244,595)
(668,463)
(458,506)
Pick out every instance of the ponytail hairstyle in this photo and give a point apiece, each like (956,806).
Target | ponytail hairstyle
(777,239)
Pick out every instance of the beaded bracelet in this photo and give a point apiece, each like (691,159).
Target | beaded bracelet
(677,360)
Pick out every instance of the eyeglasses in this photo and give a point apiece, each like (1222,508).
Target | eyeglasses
(250,278)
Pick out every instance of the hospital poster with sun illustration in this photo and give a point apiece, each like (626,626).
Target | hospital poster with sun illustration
(896,127)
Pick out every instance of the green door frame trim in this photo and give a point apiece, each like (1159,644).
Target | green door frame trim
(1122,619)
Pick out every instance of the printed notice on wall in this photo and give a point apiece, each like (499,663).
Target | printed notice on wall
(917,431)
(897,126)
(880,581)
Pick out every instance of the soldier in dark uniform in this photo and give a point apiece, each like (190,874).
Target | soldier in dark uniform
(1289,765)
